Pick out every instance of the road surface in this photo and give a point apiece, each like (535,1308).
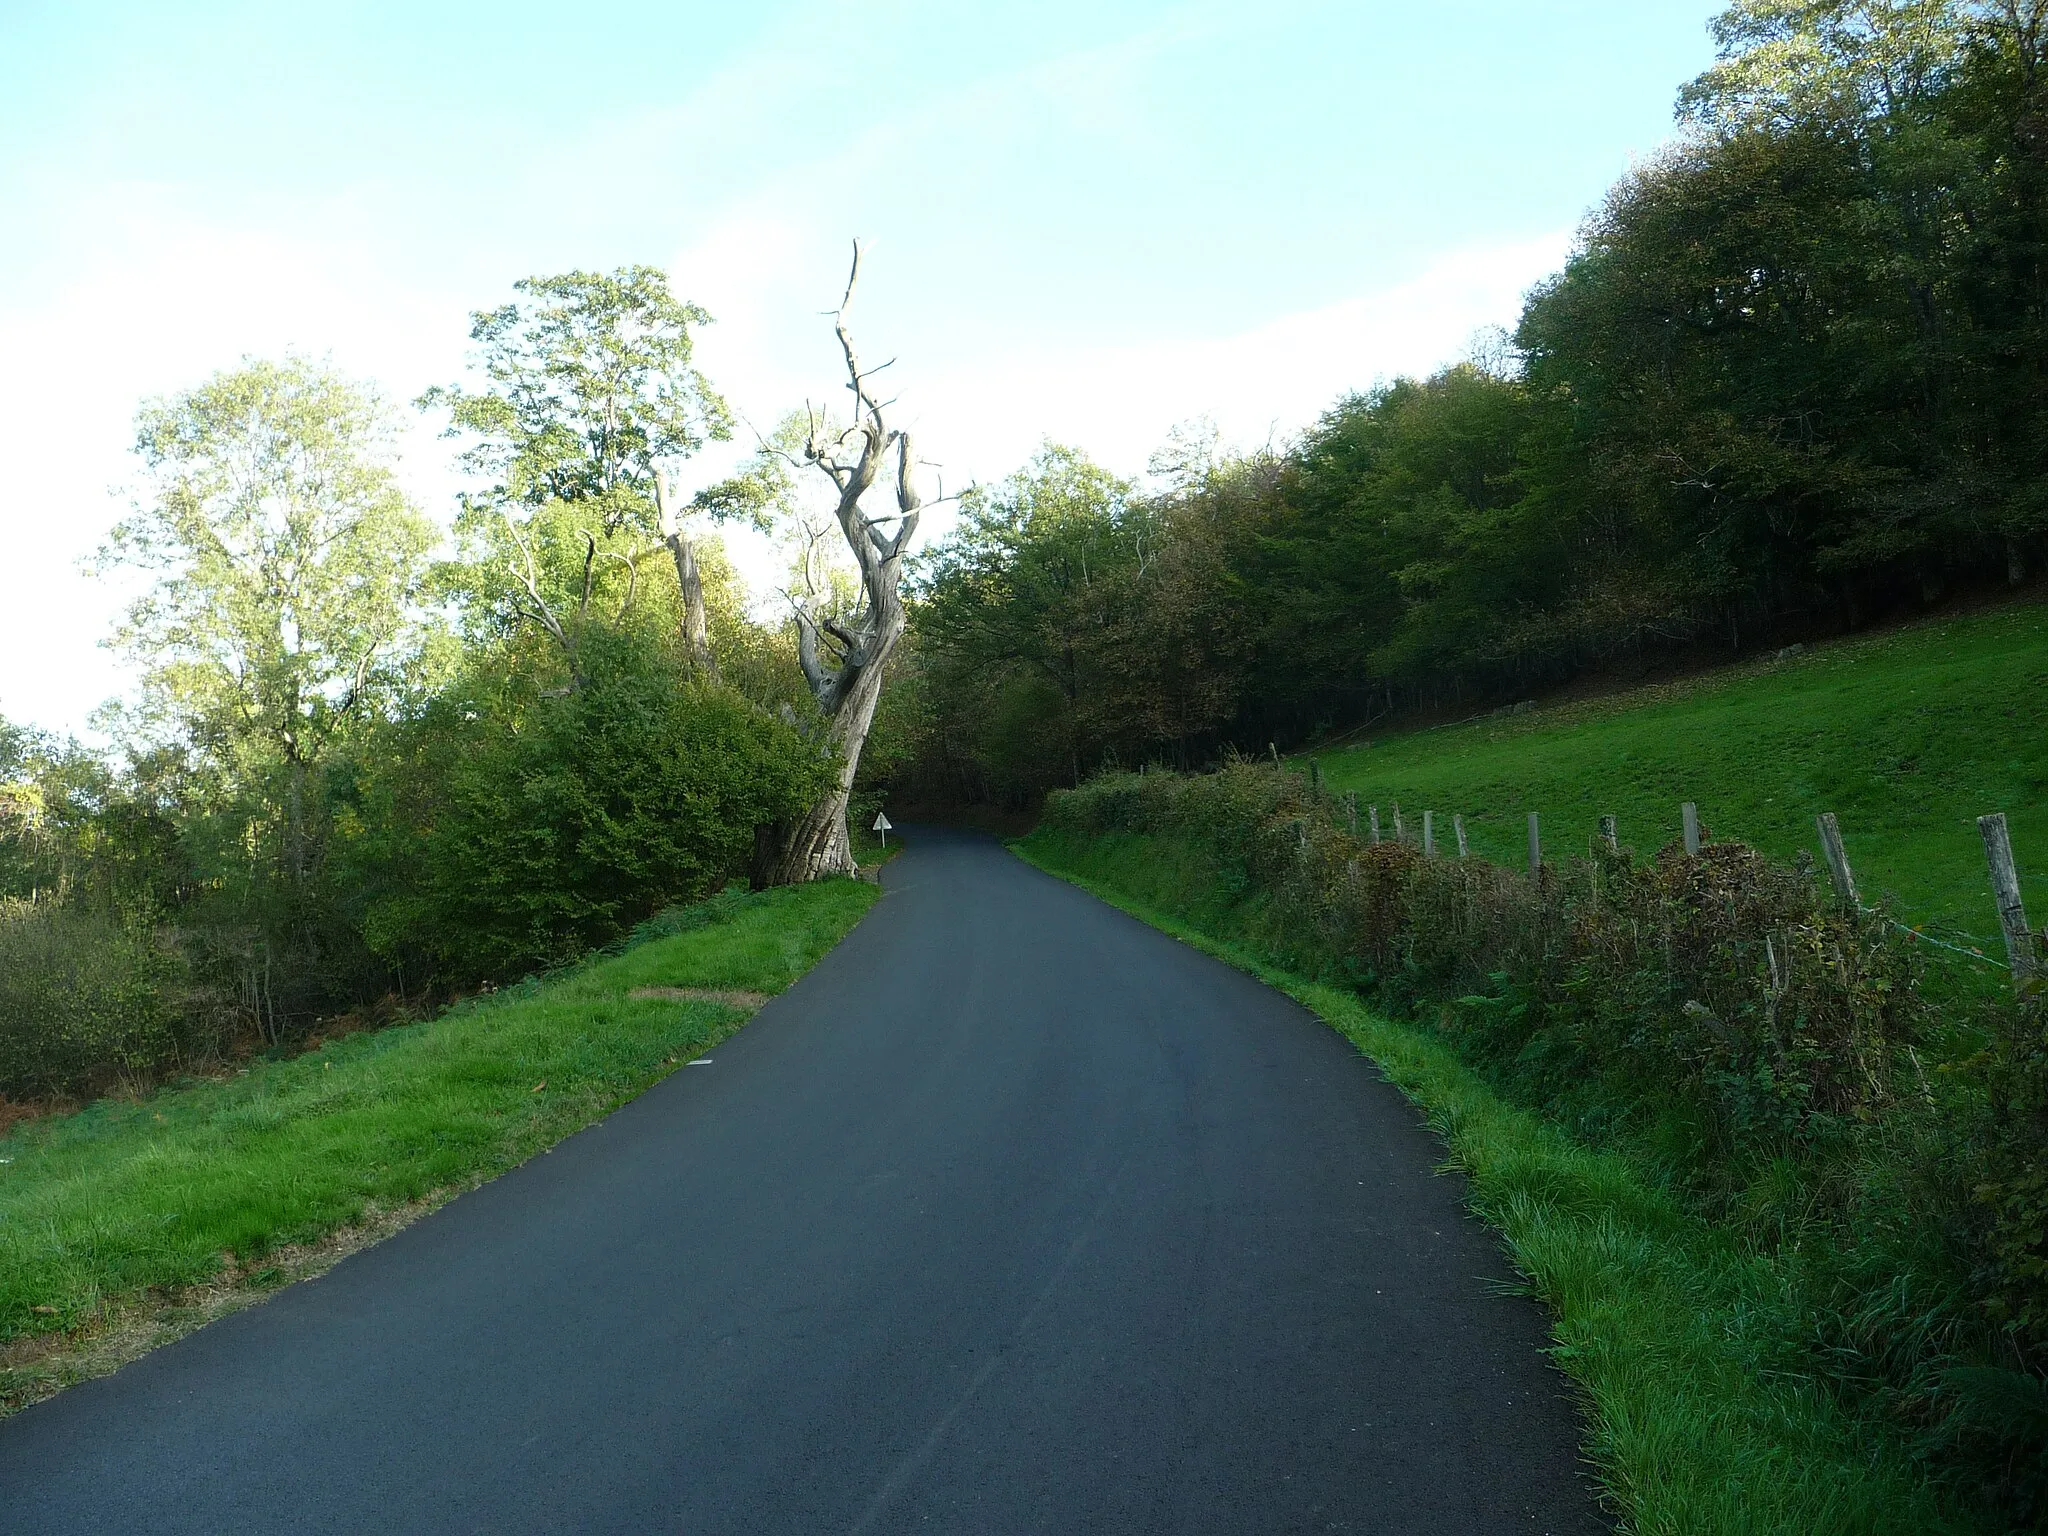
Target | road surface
(1013,1215)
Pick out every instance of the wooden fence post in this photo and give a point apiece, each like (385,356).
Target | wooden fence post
(1429,834)
(1351,810)
(1610,834)
(1535,845)
(1276,757)
(1689,814)
(1458,826)
(1315,777)
(1400,832)
(1374,811)
(2005,890)
(1838,860)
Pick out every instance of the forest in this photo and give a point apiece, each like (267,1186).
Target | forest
(1790,382)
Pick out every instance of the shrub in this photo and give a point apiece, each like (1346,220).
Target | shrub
(83,1002)
(2015,1184)
(1722,980)
(515,830)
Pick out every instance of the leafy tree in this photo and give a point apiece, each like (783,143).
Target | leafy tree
(591,393)
(1016,592)
(1067,620)
(1785,63)
(288,566)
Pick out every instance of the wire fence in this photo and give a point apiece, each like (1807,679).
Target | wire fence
(2024,947)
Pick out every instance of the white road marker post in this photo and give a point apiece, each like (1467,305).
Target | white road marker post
(884,826)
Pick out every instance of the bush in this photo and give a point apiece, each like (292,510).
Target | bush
(83,1003)
(517,829)
(1723,981)
(2015,1186)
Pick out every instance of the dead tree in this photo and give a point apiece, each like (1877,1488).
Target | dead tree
(843,655)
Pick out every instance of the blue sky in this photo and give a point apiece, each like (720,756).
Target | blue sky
(1088,222)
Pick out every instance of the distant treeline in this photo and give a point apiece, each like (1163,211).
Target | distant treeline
(1793,377)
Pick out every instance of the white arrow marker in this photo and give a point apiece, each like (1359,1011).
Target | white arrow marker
(883,826)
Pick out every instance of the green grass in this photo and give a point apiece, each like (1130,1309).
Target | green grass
(1667,1323)
(128,1200)
(1907,736)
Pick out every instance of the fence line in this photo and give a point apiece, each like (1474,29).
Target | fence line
(2024,947)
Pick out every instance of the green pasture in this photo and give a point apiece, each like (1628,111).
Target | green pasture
(1906,736)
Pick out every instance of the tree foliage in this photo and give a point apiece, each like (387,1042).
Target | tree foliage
(590,394)
(287,560)
(590,384)
(1789,380)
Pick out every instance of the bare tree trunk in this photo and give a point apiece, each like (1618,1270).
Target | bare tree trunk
(821,844)
(844,656)
(696,638)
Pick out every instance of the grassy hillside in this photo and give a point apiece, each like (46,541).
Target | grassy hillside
(112,1215)
(1907,736)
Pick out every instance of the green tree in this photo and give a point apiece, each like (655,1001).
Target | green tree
(590,392)
(1068,620)
(1783,63)
(1014,599)
(288,565)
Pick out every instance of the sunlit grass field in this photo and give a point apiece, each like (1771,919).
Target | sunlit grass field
(1907,736)
(131,1199)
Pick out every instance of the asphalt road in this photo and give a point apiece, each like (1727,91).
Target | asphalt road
(1013,1215)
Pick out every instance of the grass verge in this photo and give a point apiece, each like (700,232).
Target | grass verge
(1691,1428)
(129,1223)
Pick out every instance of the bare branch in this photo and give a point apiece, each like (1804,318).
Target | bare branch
(853,458)
(852,277)
(528,579)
